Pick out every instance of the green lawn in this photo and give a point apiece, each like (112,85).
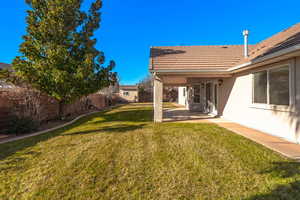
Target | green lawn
(121,154)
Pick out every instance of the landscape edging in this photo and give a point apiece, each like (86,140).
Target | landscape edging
(54,128)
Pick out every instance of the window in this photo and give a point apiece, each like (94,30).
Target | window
(184,92)
(279,86)
(126,93)
(197,94)
(260,87)
(272,86)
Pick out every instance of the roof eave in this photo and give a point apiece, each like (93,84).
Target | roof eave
(247,65)
(187,71)
(234,69)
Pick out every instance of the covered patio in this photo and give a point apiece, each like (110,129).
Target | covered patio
(203,98)
(200,69)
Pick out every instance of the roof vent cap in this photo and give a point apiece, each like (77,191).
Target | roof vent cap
(245,34)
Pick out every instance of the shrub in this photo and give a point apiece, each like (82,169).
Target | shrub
(22,125)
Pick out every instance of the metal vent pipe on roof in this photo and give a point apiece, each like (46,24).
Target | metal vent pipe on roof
(245,34)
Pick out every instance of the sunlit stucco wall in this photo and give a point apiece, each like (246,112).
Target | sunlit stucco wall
(235,104)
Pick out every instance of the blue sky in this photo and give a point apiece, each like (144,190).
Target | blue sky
(130,27)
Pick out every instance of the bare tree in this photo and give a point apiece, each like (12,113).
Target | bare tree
(145,89)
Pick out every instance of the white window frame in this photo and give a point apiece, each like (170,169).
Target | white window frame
(269,106)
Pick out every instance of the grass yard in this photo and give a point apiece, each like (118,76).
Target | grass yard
(121,154)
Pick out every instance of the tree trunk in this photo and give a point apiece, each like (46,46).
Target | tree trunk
(60,110)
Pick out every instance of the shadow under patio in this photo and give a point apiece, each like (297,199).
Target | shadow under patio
(184,115)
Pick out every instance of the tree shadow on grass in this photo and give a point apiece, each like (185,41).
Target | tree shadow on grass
(138,115)
(14,163)
(127,115)
(8,149)
(284,169)
(282,192)
(111,129)
(289,191)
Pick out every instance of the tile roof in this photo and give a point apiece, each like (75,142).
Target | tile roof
(196,57)
(220,57)
(282,40)
(4,66)
(128,87)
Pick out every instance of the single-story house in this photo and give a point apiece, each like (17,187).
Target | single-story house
(256,85)
(129,93)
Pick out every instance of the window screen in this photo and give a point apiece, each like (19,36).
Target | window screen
(279,86)
(260,87)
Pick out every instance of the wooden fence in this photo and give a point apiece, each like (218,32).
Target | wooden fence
(29,103)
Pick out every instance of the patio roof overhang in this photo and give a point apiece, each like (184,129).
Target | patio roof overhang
(182,78)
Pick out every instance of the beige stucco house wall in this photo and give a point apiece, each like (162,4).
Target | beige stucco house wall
(235,104)
(129,93)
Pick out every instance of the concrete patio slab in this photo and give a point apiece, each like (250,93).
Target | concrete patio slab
(181,114)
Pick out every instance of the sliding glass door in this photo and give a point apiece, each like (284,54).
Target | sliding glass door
(204,97)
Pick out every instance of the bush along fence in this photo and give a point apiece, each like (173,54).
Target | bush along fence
(23,110)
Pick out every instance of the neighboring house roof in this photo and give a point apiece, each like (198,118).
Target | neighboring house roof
(4,66)
(220,57)
(128,87)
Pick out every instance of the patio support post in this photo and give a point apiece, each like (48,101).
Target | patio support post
(158,99)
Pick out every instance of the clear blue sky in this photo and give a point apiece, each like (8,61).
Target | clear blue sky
(130,27)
